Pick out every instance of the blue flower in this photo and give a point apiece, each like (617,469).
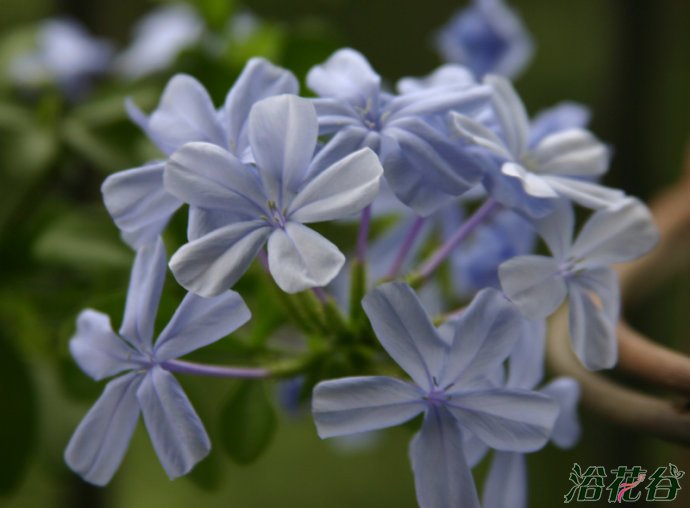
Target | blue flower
(528,175)
(487,37)
(158,39)
(241,206)
(453,385)
(475,264)
(136,198)
(67,54)
(580,270)
(145,385)
(354,107)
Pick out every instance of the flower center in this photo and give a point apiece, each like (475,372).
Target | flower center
(275,216)
(436,397)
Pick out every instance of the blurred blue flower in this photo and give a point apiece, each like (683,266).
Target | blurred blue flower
(99,443)
(488,38)
(580,270)
(136,198)
(242,206)
(67,55)
(158,39)
(475,264)
(453,386)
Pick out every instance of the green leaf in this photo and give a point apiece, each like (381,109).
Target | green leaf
(83,240)
(247,422)
(18,401)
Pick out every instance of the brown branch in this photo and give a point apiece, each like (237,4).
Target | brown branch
(656,364)
(618,404)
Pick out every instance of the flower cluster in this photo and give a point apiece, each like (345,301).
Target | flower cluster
(449,164)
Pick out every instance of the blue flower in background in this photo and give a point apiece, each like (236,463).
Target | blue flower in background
(354,107)
(528,178)
(67,54)
(177,434)
(158,39)
(580,271)
(475,263)
(244,206)
(136,198)
(453,385)
(488,38)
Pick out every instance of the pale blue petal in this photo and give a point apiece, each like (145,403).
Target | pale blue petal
(213,263)
(209,176)
(475,449)
(143,294)
(485,334)
(587,194)
(510,193)
(510,113)
(506,420)
(527,359)
(566,392)
(442,477)
(346,75)
(259,79)
(198,322)
(563,116)
(185,114)
(202,221)
(592,332)
(444,163)
(533,184)
(445,75)
(97,350)
(344,143)
(138,202)
(283,132)
(405,331)
(534,283)
(360,404)
(335,115)
(98,446)
(473,132)
(412,186)
(468,101)
(300,258)
(343,189)
(176,432)
(557,229)
(506,484)
(621,233)
(604,282)
(573,152)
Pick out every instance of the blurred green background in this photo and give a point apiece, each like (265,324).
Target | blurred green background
(59,252)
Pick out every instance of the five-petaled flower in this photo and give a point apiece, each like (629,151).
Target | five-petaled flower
(242,206)
(454,385)
(580,270)
(177,434)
